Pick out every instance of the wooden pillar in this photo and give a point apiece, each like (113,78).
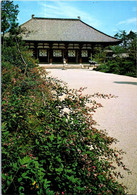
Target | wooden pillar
(66,52)
(93,50)
(36,50)
(103,46)
(90,53)
(80,58)
(77,55)
(50,53)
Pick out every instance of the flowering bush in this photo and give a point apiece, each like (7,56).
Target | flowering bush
(49,142)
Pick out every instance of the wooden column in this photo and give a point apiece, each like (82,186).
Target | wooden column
(80,58)
(77,55)
(36,50)
(50,53)
(66,52)
(93,51)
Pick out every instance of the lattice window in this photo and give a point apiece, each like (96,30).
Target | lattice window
(57,53)
(42,52)
(71,53)
(84,53)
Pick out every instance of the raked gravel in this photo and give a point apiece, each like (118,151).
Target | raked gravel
(118,115)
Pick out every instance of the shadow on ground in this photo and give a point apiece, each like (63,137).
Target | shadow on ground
(125,82)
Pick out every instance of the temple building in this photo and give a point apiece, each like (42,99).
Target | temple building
(54,40)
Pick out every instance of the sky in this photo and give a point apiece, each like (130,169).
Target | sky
(109,17)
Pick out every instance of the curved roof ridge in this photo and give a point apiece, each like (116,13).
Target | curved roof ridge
(99,31)
(55,18)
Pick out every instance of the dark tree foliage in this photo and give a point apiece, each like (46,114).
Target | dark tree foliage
(123,36)
(9,13)
(128,42)
(118,63)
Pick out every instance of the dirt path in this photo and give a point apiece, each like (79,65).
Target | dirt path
(118,116)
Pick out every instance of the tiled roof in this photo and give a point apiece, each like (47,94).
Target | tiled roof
(53,29)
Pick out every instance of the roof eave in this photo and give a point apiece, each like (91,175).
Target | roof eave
(116,42)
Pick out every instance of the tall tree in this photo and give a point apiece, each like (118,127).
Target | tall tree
(132,44)
(123,36)
(9,13)
(127,39)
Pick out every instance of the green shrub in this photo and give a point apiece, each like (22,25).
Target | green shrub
(49,142)
(120,66)
(128,67)
(102,68)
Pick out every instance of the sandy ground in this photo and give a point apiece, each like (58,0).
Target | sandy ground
(118,115)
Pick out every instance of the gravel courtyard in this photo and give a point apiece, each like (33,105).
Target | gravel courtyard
(118,115)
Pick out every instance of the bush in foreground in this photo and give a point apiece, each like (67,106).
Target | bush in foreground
(49,142)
